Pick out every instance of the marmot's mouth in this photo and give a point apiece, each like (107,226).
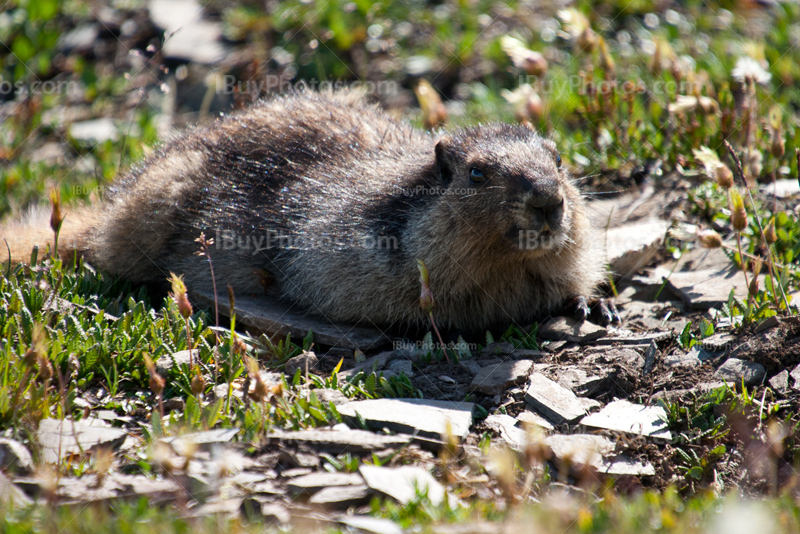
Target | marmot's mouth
(539,240)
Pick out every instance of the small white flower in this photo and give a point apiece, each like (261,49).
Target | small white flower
(748,69)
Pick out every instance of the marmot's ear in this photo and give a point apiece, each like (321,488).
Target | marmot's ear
(442,160)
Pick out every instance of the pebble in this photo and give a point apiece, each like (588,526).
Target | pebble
(494,379)
(553,401)
(734,370)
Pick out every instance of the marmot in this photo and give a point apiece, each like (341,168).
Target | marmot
(329,203)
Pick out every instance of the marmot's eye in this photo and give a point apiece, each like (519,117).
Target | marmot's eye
(558,160)
(475,175)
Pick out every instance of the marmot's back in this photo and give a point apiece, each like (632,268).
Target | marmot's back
(328,202)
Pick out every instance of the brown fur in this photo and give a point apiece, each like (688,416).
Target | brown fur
(330,166)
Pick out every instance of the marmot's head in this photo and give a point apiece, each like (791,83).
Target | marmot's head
(505,180)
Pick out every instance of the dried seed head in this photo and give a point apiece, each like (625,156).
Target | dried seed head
(769,232)
(198,382)
(738,213)
(434,113)
(426,295)
(179,295)
(231,299)
(724,176)
(533,63)
(709,239)
(56,217)
(753,289)
(606,61)
(156,381)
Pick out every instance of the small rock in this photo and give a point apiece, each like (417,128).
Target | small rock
(374,525)
(177,404)
(307,360)
(428,417)
(624,416)
(447,379)
(341,497)
(497,349)
(586,449)
(734,370)
(506,426)
(766,324)
(495,379)
(275,513)
(62,438)
(10,493)
(339,442)
(314,482)
(376,363)
(782,188)
(780,382)
(187,443)
(167,362)
(80,39)
(94,132)
(649,358)
(471,366)
(14,457)
(794,374)
(402,483)
(681,360)
(528,417)
(631,246)
(718,342)
(623,465)
(402,366)
(552,400)
(579,381)
(568,329)
(589,404)
(326,395)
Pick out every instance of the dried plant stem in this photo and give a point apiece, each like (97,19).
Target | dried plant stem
(441,342)
(738,163)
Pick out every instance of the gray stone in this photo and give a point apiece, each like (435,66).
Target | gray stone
(555,402)
(62,438)
(624,416)
(632,246)
(706,288)
(94,132)
(339,442)
(584,449)
(589,404)
(184,357)
(316,481)
(374,364)
(326,395)
(794,374)
(402,366)
(681,360)
(734,370)
(506,427)
(80,39)
(11,494)
(403,483)
(628,337)
(184,445)
(780,382)
(527,417)
(429,418)
(187,35)
(341,496)
(649,358)
(367,523)
(308,360)
(782,188)
(623,465)
(718,342)
(568,329)
(579,381)
(262,314)
(471,366)
(495,379)
(14,457)
(768,323)
(497,349)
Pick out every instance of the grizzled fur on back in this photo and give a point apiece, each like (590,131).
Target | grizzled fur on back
(327,202)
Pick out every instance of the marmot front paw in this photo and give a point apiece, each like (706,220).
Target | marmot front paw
(600,311)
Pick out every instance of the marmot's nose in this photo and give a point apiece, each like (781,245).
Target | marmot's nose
(550,208)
